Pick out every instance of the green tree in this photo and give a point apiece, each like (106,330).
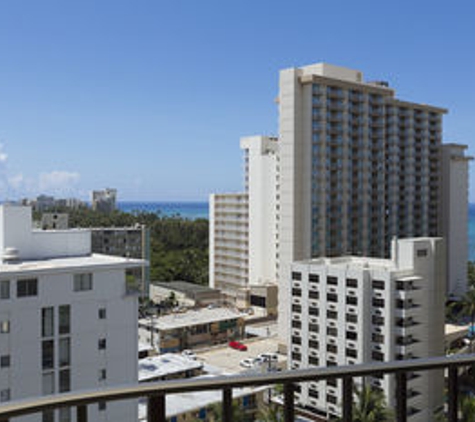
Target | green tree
(471,273)
(466,307)
(270,413)
(370,406)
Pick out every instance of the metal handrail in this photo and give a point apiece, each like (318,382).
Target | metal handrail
(157,391)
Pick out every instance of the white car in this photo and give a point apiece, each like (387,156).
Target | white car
(251,363)
(188,354)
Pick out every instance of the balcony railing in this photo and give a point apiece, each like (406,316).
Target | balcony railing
(157,392)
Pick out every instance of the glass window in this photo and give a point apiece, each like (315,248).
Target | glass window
(4,327)
(47,322)
(27,288)
(64,319)
(65,414)
(5,361)
(47,351)
(5,395)
(102,344)
(48,383)
(64,352)
(5,289)
(64,380)
(48,415)
(296,275)
(102,405)
(102,374)
(82,282)
(102,313)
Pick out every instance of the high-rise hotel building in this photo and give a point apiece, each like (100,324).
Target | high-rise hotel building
(357,167)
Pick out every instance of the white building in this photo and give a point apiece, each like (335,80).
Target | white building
(67,321)
(351,310)
(244,222)
(357,166)
(104,200)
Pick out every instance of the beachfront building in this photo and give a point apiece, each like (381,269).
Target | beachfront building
(350,310)
(357,167)
(67,318)
(180,331)
(244,222)
(104,200)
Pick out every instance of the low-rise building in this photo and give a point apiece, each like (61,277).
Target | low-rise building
(168,366)
(185,293)
(179,331)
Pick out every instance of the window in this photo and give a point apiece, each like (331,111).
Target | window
(331,348)
(377,320)
(296,356)
(313,278)
(65,414)
(48,415)
(4,395)
(64,380)
(351,282)
(64,319)
(332,280)
(313,328)
(296,292)
(296,308)
(64,352)
(378,284)
(5,289)
(102,344)
(312,360)
(102,405)
(47,322)
(102,313)
(313,311)
(47,352)
(351,335)
(102,374)
(351,353)
(296,276)
(378,303)
(377,338)
(332,331)
(377,355)
(313,344)
(25,288)
(296,324)
(4,327)
(313,294)
(421,253)
(82,282)
(5,361)
(351,318)
(332,314)
(351,300)
(48,383)
(296,340)
(332,297)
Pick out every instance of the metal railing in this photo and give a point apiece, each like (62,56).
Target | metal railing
(157,392)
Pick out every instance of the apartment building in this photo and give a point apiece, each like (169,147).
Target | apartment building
(67,319)
(252,217)
(357,166)
(350,310)
(104,200)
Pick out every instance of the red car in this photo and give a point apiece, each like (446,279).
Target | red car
(238,346)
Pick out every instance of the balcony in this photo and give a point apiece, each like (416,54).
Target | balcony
(156,393)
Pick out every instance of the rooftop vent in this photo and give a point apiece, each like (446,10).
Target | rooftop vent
(10,255)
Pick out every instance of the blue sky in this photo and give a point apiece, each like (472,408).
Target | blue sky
(151,96)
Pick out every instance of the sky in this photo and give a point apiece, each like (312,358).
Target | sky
(152,96)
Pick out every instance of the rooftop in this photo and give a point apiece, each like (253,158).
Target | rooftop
(167,364)
(190,318)
(185,287)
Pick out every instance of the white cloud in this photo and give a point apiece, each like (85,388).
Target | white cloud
(58,181)
(3,155)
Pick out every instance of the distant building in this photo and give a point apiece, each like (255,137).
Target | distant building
(104,200)
(179,331)
(243,231)
(168,366)
(187,294)
(351,310)
(67,319)
(127,242)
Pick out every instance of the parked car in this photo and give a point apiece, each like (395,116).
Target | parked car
(188,354)
(251,362)
(238,346)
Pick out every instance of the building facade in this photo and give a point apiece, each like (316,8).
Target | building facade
(104,200)
(67,321)
(256,223)
(351,310)
(357,166)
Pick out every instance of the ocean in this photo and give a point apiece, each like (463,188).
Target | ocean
(194,210)
(190,210)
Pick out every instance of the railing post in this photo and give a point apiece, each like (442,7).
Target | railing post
(347,395)
(289,413)
(81,413)
(401,396)
(156,408)
(227,405)
(453,393)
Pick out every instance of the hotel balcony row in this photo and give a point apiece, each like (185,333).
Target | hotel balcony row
(156,393)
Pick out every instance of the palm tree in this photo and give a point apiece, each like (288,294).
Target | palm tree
(467,409)
(370,406)
(270,413)
(466,307)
